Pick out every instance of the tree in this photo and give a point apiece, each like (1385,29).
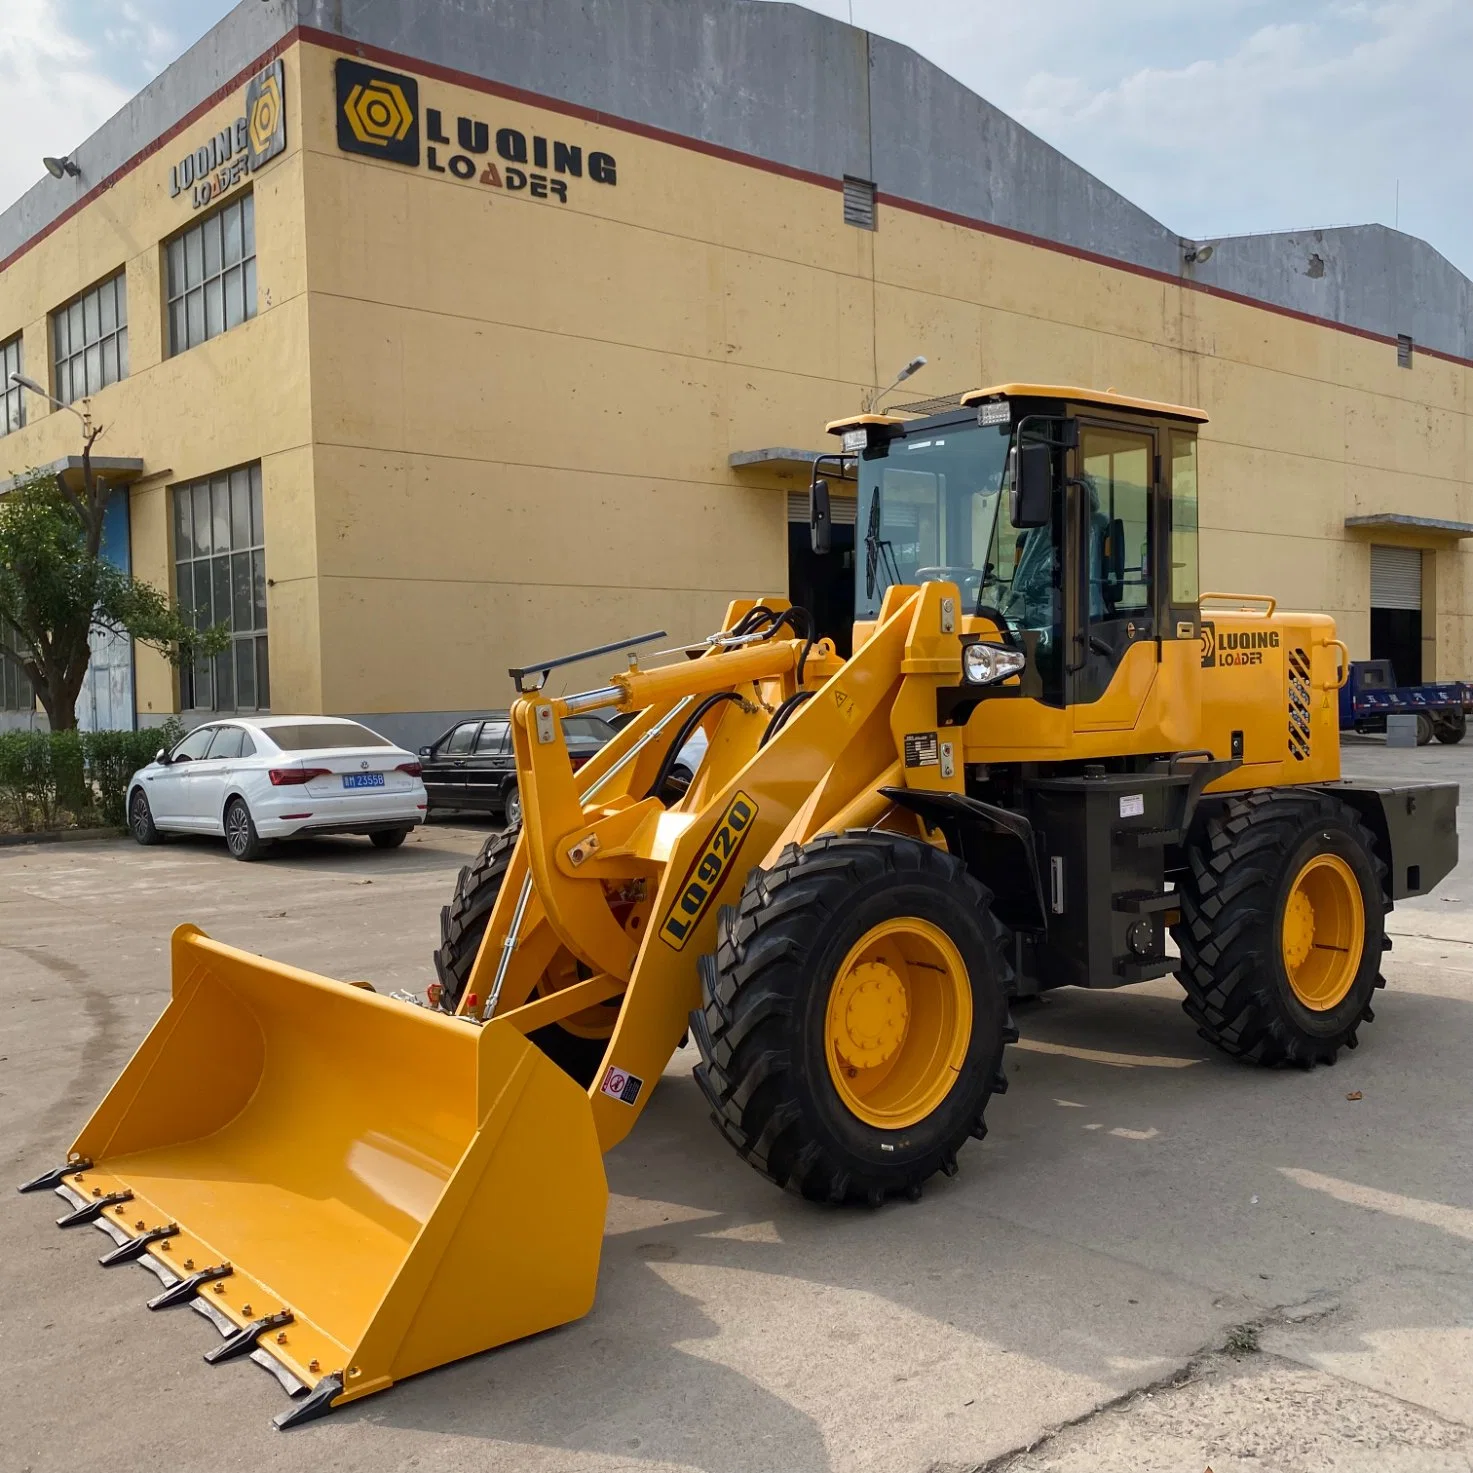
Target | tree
(55,586)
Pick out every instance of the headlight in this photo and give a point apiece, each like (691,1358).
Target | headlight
(983,664)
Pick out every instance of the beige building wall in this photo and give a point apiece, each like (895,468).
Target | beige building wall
(494,428)
(239,397)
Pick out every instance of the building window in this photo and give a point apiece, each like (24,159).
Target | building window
(220,578)
(212,275)
(90,340)
(16,693)
(12,397)
(1403,350)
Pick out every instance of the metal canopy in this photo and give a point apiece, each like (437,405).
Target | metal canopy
(1396,521)
(115,470)
(779,460)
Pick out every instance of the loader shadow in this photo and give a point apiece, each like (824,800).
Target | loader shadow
(730,1329)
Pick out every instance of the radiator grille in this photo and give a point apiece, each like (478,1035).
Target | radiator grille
(1299,729)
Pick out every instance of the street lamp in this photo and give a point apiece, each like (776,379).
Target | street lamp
(89,431)
(914,366)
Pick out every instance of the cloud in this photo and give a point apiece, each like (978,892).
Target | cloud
(53,91)
(1240,116)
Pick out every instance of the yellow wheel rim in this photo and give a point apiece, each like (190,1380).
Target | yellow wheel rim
(898,1023)
(1324,932)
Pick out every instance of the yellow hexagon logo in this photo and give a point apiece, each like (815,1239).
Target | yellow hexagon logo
(378,112)
(265,116)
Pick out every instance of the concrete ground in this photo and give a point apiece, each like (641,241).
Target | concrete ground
(1157,1260)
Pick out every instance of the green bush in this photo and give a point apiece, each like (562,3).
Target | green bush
(50,779)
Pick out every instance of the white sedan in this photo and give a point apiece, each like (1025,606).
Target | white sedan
(254,779)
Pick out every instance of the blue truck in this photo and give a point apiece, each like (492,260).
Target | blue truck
(1371,694)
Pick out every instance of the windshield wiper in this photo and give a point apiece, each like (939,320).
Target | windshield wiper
(876,547)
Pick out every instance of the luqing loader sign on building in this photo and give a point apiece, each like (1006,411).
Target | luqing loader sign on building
(379,116)
(228,156)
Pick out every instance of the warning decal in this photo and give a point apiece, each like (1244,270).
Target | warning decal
(620,1085)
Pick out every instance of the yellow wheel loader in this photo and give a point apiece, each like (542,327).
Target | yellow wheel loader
(1048,752)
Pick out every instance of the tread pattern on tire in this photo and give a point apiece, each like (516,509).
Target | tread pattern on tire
(740,1029)
(463,922)
(1228,900)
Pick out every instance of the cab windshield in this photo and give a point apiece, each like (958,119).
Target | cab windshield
(933,509)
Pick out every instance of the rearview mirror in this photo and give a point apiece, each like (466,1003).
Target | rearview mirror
(820,525)
(1033,485)
(426,751)
(161,757)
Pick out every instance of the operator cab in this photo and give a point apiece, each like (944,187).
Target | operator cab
(1066,517)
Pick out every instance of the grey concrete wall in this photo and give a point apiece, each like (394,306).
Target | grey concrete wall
(1366,275)
(940,144)
(783,84)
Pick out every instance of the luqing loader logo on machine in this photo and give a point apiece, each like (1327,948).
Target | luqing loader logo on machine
(378,113)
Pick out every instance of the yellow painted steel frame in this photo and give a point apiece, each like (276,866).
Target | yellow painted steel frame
(631,889)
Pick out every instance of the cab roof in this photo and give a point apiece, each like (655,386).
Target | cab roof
(1104,398)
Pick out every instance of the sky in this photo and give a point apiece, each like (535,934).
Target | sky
(1218,117)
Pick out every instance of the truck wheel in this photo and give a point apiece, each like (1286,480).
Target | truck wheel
(1450,730)
(577,1049)
(1282,928)
(854,1017)
(1424,728)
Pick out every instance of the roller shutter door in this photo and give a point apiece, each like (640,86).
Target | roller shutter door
(1396,578)
(842,508)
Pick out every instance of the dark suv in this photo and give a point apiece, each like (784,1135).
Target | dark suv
(471,766)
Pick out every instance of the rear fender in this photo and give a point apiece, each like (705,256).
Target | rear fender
(1416,830)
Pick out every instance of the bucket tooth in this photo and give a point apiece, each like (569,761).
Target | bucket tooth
(54,1177)
(135,1248)
(243,1340)
(317,1403)
(91,1211)
(186,1289)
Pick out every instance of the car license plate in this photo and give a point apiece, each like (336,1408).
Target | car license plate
(363,779)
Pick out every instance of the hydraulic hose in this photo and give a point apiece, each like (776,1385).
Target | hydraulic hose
(781,716)
(682,736)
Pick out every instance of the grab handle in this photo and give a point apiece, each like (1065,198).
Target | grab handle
(1251,603)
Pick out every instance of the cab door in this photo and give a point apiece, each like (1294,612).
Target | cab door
(1113,510)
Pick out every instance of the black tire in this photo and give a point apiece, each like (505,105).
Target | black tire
(760,1031)
(463,924)
(1450,730)
(1425,728)
(1241,869)
(511,807)
(140,819)
(388,838)
(241,837)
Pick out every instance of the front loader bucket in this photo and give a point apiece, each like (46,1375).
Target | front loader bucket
(366,1187)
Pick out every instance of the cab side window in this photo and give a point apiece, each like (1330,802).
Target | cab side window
(1117,473)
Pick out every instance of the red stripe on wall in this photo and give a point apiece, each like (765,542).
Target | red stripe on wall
(328,41)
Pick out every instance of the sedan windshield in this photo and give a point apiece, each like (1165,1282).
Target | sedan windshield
(319,736)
